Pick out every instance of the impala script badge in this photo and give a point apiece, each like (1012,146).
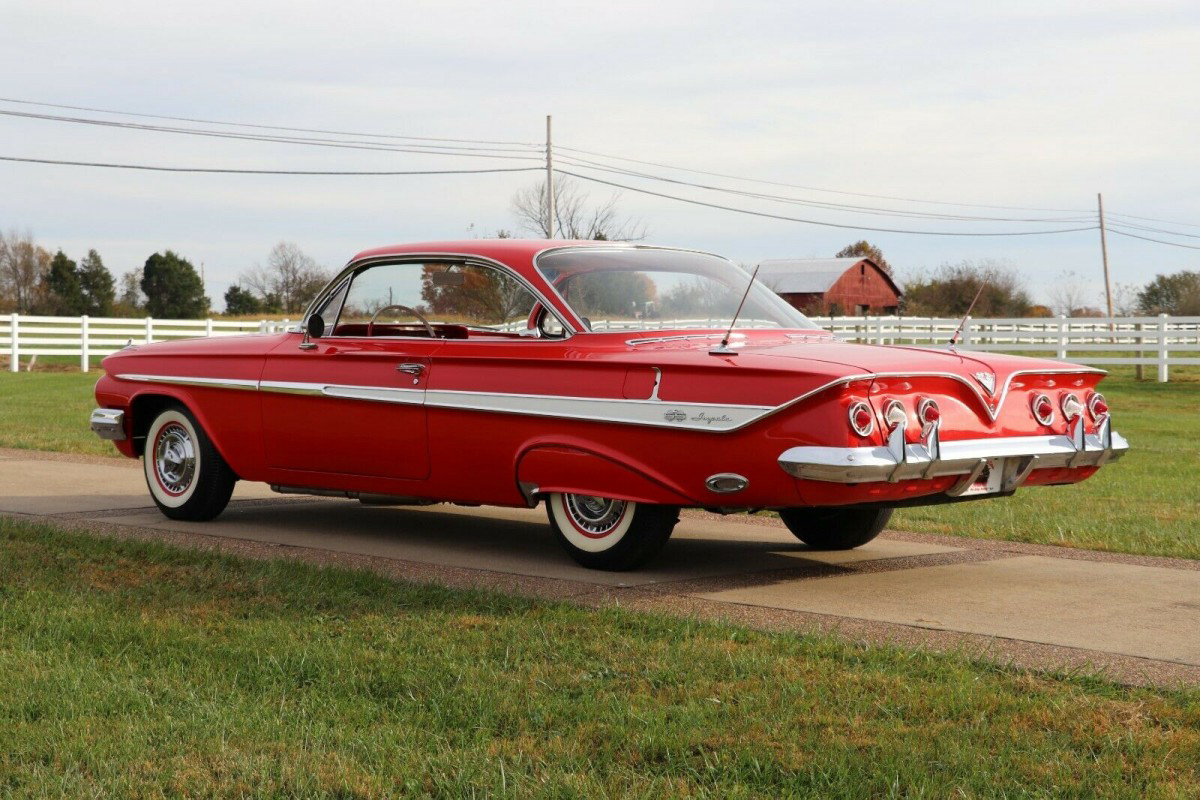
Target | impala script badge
(675,416)
(987,380)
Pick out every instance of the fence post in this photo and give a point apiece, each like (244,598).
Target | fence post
(208,327)
(14,361)
(1140,369)
(1162,348)
(1064,329)
(262,326)
(83,344)
(965,341)
(149,330)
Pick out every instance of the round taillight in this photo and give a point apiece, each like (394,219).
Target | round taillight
(1043,409)
(1071,407)
(1097,405)
(928,412)
(862,419)
(894,415)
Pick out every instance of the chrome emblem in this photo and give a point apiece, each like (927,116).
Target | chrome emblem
(675,415)
(987,380)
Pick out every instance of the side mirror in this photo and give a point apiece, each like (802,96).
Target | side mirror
(315,327)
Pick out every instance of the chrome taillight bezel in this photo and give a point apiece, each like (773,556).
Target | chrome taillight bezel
(1071,406)
(1039,400)
(894,415)
(1095,399)
(923,409)
(852,413)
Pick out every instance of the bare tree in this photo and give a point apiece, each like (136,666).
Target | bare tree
(22,266)
(289,280)
(1069,296)
(575,216)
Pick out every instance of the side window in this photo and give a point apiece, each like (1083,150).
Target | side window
(453,300)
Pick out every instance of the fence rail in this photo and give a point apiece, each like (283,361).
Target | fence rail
(1161,342)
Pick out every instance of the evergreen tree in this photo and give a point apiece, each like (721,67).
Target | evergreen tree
(64,295)
(240,301)
(173,287)
(96,282)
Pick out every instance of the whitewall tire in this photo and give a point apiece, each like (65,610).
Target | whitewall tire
(186,475)
(610,534)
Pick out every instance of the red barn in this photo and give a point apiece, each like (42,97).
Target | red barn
(832,286)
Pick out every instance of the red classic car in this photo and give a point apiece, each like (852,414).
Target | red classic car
(618,383)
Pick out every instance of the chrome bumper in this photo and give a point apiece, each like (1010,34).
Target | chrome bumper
(109,423)
(899,460)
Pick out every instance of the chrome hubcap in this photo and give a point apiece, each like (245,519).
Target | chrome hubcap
(595,516)
(174,459)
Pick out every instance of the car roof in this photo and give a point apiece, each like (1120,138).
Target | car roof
(513,252)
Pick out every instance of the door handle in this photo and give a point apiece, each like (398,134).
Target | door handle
(411,368)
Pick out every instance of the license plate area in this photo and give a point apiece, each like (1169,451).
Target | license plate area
(989,480)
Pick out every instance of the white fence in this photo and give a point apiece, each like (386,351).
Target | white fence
(1161,342)
(92,338)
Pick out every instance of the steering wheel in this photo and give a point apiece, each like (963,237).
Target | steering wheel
(413,311)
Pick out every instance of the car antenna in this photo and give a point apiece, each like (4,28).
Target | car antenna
(966,316)
(723,349)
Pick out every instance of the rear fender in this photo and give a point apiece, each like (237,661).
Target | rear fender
(579,469)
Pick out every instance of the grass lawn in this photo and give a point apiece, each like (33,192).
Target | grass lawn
(1147,503)
(137,670)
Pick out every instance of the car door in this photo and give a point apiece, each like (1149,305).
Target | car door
(352,402)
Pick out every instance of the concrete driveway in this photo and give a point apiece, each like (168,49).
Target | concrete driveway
(1137,618)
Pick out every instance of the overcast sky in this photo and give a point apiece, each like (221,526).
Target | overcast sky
(1024,104)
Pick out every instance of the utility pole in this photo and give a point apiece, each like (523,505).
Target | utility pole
(549,180)
(1104,254)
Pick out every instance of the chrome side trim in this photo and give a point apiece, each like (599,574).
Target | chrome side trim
(710,417)
(109,423)
(1023,454)
(183,380)
(381,394)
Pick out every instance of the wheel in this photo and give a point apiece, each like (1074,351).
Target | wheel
(616,535)
(835,528)
(187,477)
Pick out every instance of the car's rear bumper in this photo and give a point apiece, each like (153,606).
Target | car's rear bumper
(931,458)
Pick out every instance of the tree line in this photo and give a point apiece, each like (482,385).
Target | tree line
(167,285)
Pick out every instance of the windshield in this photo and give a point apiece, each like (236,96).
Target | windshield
(635,289)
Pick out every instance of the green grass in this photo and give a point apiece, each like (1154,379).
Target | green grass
(1146,503)
(137,670)
(49,411)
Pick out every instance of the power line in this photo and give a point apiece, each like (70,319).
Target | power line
(1159,241)
(224,171)
(813,221)
(1134,227)
(817,189)
(1154,219)
(846,207)
(337,143)
(261,127)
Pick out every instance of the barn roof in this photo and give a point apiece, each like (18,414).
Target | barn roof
(810,275)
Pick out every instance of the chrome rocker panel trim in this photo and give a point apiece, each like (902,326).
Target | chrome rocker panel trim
(932,458)
(109,423)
